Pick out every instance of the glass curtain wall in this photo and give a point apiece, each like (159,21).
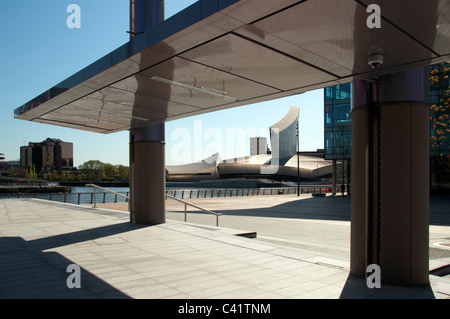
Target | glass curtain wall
(337,103)
(439,127)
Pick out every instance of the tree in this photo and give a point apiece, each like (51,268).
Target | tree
(97,170)
(93,170)
(47,176)
(18,172)
(33,173)
(440,118)
(124,171)
(56,176)
(66,176)
(111,171)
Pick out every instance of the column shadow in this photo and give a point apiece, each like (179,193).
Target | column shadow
(27,271)
(356,288)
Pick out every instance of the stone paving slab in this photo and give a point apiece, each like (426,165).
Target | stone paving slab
(40,239)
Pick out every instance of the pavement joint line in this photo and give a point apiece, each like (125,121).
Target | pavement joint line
(85,208)
(442,245)
(441,286)
(268,251)
(204,227)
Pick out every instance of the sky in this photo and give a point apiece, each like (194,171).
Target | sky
(39,50)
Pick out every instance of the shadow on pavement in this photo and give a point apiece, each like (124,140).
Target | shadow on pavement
(356,288)
(440,210)
(328,208)
(336,208)
(27,271)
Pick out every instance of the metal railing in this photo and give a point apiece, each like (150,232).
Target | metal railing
(238,192)
(172,197)
(88,197)
(195,206)
(106,190)
(179,195)
(70,198)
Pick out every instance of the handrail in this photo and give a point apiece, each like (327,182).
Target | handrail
(195,206)
(105,189)
(177,199)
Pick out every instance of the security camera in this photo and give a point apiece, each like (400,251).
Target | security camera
(375,60)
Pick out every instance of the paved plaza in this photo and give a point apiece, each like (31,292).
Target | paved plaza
(301,251)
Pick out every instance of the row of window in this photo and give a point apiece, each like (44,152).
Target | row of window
(338,92)
(338,121)
(337,104)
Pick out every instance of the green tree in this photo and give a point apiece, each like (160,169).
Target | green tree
(124,171)
(97,170)
(18,172)
(93,170)
(33,173)
(47,176)
(440,115)
(111,171)
(56,176)
(66,176)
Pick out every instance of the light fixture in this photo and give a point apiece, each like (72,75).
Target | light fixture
(112,112)
(223,95)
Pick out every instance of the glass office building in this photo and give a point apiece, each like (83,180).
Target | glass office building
(337,122)
(440,107)
(440,126)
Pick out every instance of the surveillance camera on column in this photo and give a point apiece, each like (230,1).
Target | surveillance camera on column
(375,60)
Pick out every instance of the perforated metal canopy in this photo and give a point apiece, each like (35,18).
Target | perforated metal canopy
(219,54)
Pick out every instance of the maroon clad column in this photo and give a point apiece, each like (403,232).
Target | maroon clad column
(147,175)
(390,168)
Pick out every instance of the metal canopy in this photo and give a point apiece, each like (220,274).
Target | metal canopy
(219,54)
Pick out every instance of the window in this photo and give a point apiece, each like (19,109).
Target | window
(341,113)
(328,119)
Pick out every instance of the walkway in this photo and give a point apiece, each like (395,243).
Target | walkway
(39,239)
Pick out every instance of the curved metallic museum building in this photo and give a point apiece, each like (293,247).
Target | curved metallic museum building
(283,156)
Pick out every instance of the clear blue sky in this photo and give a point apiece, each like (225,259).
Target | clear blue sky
(38,50)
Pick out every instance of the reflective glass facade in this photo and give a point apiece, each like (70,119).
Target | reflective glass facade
(337,103)
(440,126)
(440,110)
